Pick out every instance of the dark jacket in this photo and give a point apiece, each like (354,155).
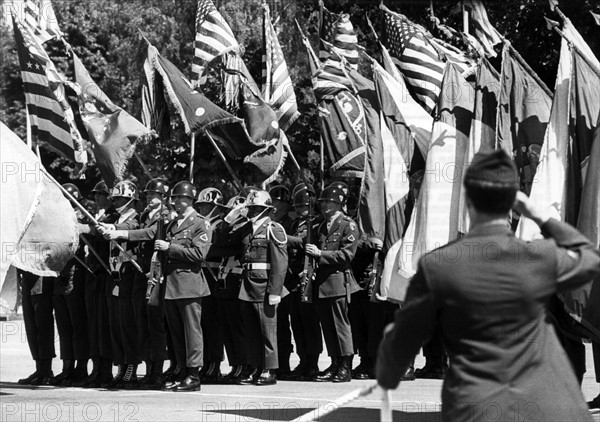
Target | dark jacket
(338,247)
(489,293)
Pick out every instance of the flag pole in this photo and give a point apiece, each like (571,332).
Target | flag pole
(572,45)
(192,156)
(93,220)
(465,14)
(385,414)
(237,182)
(295,162)
(144,167)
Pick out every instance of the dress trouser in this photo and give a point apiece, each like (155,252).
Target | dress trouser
(305,326)
(39,321)
(333,315)
(184,319)
(260,322)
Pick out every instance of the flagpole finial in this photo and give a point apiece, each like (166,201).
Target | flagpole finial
(553,4)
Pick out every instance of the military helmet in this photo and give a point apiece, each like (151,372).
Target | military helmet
(280,193)
(259,198)
(235,201)
(302,197)
(101,188)
(73,190)
(342,186)
(184,189)
(334,194)
(124,189)
(210,196)
(300,186)
(157,186)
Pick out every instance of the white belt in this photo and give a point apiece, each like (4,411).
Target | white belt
(257,266)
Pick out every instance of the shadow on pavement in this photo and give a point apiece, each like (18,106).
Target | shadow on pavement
(14,385)
(344,414)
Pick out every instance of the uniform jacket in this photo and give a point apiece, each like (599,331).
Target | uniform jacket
(268,245)
(212,230)
(122,285)
(338,247)
(296,244)
(229,270)
(489,293)
(188,243)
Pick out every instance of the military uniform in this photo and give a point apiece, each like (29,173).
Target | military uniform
(335,283)
(303,316)
(265,263)
(185,284)
(39,325)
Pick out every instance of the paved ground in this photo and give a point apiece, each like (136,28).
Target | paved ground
(417,401)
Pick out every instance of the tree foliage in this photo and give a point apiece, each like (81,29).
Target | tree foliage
(105,35)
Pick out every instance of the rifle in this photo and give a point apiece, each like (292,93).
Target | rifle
(155,275)
(308,273)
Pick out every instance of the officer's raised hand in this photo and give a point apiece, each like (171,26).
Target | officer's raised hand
(161,245)
(312,250)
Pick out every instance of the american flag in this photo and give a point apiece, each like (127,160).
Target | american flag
(278,90)
(415,56)
(40,17)
(339,31)
(51,117)
(213,38)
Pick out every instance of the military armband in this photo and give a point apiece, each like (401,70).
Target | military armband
(270,233)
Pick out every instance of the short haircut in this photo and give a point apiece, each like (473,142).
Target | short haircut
(490,199)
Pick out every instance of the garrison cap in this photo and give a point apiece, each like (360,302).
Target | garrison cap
(493,169)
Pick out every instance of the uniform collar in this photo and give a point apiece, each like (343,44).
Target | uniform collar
(256,224)
(486,229)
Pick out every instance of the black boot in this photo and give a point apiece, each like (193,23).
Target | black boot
(211,373)
(87,379)
(79,373)
(27,380)
(148,373)
(45,374)
(105,378)
(298,371)
(284,373)
(312,368)
(344,372)
(64,378)
(116,381)
(361,372)
(249,376)
(234,375)
(325,376)
(130,379)
(191,381)
(156,380)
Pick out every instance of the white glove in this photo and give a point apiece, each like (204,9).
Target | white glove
(274,299)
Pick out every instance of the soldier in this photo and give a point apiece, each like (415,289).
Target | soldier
(337,242)
(227,291)
(303,315)
(492,308)
(281,207)
(149,306)
(69,309)
(210,207)
(119,288)
(264,259)
(185,284)
(95,287)
(39,325)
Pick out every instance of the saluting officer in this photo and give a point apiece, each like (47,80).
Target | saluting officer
(210,207)
(264,258)
(185,244)
(337,242)
(150,312)
(69,311)
(303,316)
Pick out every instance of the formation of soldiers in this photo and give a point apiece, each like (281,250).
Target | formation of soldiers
(194,277)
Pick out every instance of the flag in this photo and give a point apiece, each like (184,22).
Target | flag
(397,138)
(415,56)
(434,221)
(596,17)
(463,42)
(39,16)
(112,131)
(263,128)
(339,32)
(482,135)
(482,28)
(401,111)
(39,227)
(197,112)
(213,38)
(523,114)
(278,89)
(51,117)
(155,112)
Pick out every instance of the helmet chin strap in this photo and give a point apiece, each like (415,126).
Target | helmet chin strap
(123,207)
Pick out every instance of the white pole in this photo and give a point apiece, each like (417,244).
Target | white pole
(192,154)
(386,408)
